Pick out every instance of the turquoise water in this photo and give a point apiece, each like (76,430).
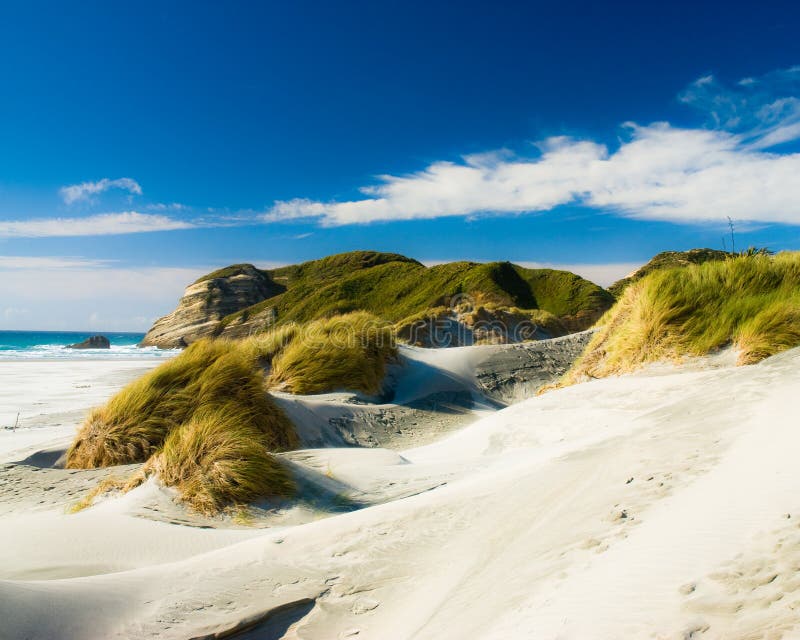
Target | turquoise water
(28,345)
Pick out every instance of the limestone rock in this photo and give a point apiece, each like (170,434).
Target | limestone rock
(207,301)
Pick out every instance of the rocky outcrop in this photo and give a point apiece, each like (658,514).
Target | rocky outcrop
(444,327)
(95,342)
(209,300)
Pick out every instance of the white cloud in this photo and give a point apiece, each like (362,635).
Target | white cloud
(49,262)
(296,209)
(46,296)
(85,190)
(165,206)
(765,110)
(657,171)
(95,225)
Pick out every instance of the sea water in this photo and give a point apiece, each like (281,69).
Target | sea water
(47,345)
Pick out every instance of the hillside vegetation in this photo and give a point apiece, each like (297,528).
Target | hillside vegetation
(394,287)
(204,422)
(667,260)
(240,300)
(749,302)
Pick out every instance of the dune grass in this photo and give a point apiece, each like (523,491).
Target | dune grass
(750,302)
(112,483)
(668,260)
(213,390)
(209,375)
(347,352)
(219,458)
(204,422)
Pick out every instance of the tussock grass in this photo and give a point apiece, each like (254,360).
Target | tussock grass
(220,458)
(204,422)
(751,302)
(349,352)
(208,375)
(270,344)
(205,409)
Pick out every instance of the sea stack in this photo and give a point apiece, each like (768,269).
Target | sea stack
(95,342)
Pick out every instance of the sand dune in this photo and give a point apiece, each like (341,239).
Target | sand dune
(664,504)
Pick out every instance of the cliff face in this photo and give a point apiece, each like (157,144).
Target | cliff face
(207,301)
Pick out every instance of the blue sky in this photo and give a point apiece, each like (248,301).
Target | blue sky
(145,144)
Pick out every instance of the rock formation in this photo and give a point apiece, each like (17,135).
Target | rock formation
(95,342)
(209,300)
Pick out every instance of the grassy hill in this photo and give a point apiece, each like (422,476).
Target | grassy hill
(394,287)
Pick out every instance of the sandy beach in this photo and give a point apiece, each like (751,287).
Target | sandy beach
(660,504)
(47,399)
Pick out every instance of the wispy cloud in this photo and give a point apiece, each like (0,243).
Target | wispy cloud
(95,225)
(165,206)
(765,110)
(657,171)
(85,190)
(50,262)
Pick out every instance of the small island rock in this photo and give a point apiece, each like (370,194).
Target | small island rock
(95,342)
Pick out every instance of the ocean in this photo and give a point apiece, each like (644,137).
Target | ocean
(47,345)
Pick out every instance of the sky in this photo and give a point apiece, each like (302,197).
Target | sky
(144,144)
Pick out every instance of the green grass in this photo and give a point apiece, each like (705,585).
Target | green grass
(347,352)
(668,260)
(232,270)
(417,328)
(749,302)
(395,288)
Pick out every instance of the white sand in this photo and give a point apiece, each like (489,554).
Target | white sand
(660,505)
(46,400)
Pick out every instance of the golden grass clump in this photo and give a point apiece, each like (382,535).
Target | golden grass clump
(349,351)
(204,421)
(219,375)
(219,458)
(269,344)
(215,388)
(750,302)
(112,483)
